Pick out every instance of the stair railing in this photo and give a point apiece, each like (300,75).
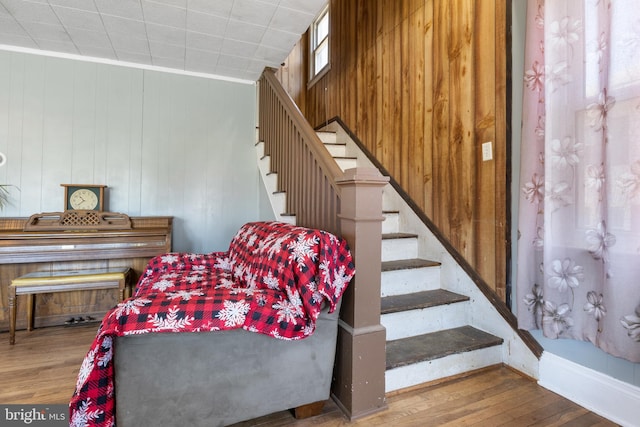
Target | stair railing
(306,171)
(348,204)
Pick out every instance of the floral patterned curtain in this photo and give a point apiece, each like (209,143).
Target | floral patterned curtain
(579,220)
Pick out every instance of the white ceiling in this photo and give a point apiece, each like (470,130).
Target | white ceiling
(227,38)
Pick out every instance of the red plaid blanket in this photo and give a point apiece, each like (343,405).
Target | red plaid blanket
(273,280)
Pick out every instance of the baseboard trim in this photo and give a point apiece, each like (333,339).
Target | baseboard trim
(606,396)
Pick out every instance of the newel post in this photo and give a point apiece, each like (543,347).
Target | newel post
(359,385)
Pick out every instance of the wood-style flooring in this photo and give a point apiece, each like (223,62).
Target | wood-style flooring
(43,364)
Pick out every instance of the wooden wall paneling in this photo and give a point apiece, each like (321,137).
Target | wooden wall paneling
(406,111)
(421,84)
(387,58)
(502,225)
(462,117)
(375,143)
(428,106)
(395,119)
(485,102)
(363,69)
(415,111)
(441,137)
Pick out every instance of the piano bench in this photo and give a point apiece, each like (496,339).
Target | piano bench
(41,282)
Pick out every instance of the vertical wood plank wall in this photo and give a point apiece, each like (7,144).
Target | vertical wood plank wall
(422,83)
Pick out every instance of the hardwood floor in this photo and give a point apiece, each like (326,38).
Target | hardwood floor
(43,364)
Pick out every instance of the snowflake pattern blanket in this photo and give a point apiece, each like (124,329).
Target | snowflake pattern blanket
(274,279)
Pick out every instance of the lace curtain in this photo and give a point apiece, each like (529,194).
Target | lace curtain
(579,217)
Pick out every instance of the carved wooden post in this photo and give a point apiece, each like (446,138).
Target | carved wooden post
(359,385)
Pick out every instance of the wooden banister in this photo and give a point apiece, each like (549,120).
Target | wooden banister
(348,204)
(306,170)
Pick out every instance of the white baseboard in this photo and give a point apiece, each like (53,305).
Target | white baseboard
(606,396)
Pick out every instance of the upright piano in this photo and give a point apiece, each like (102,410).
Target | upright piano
(23,251)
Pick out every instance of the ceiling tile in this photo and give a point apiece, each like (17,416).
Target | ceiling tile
(9,25)
(82,37)
(136,58)
(220,8)
(38,30)
(57,46)
(177,64)
(201,61)
(79,18)
(235,62)
(252,12)
(30,11)
(238,48)
(165,34)
(4,12)
(162,14)
(204,42)
(97,52)
(75,4)
(175,3)
(245,32)
(205,23)
(311,7)
(292,21)
(166,50)
(129,9)
(129,44)
(234,38)
(19,41)
(273,57)
(279,39)
(128,27)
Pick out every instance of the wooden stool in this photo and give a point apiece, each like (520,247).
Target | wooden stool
(41,282)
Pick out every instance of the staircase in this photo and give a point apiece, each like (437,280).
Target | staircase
(437,325)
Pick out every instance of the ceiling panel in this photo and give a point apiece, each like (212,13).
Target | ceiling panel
(227,38)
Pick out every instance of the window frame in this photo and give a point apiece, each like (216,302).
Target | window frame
(316,45)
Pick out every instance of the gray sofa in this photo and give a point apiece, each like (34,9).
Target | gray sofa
(220,378)
(214,339)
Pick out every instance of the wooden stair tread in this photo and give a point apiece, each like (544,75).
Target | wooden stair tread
(435,345)
(388,236)
(407,264)
(418,300)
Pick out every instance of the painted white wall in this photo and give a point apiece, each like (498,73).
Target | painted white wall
(164,144)
(581,353)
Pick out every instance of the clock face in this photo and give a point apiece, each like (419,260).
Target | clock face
(83,199)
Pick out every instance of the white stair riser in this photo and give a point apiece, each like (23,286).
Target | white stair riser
(423,321)
(400,282)
(327,137)
(397,249)
(346,163)
(336,150)
(418,373)
(279,202)
(391,223)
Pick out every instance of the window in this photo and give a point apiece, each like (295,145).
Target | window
(320,44)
